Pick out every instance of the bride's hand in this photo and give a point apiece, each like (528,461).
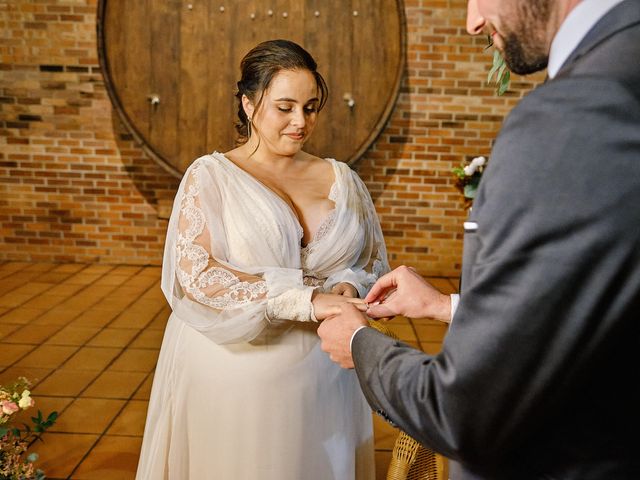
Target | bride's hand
(328,304)
(345,289)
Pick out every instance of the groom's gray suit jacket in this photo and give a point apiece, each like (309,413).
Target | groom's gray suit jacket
(539,375)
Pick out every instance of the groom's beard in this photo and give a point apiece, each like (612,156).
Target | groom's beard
(526,50)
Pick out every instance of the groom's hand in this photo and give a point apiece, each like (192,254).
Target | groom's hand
(336,332)
(404,292)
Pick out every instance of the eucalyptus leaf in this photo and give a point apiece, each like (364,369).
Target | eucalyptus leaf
(470,191)
(504,82)
(501,72)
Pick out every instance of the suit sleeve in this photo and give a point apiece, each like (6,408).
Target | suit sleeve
(551,280)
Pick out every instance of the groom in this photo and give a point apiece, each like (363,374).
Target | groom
(539,376)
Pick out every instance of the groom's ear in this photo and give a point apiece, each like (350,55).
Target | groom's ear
(248,106)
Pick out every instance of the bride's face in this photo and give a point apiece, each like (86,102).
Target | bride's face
(287,114)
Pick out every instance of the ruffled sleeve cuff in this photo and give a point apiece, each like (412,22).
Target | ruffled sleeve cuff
(293,304)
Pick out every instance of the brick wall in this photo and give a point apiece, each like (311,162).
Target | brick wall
(75,187)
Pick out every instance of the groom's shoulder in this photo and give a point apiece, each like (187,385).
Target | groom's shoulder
(571,102)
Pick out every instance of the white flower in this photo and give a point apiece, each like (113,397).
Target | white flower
(479,161)
(474,165)
(26,401)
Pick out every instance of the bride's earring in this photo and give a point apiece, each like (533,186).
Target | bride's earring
(248,126)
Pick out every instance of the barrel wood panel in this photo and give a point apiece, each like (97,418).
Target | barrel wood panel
(171,68)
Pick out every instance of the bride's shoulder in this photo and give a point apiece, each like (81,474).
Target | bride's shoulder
(206,166)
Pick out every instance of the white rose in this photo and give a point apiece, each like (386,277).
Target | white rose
(479,161)
(26,401)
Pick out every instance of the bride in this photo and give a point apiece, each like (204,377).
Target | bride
(264,241)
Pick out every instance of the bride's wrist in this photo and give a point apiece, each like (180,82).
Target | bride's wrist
(293,304)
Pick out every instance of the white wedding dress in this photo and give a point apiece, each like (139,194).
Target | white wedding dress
(238,395)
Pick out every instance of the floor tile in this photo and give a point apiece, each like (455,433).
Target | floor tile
(88,415)
(135,360)
(112,458)
(144,391)
(83,278)
(113,337)
(59,315)
(115,280)
(98,268)
(404,332)
(126,270)
(61,453)
(65,289)
(39,267)
(21,315)
(65,382)
(12,353)
(134,318)
(99,370)
(442,284)
(44,301)
(382,458)
(69,267)
(384,434)
(44,404)
(32,288)
(48,356)
(82,301)
(432,348)
(111,384)
(7,329)
(54,277)
(431,333)
(160,320)
(71,335)
(94,318)
(92,358)
(131,420)
(34,374)
(148,339)
(32,334)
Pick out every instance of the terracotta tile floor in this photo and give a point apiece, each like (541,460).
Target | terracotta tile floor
(88,337)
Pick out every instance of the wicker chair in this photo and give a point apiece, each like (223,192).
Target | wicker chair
(410,460)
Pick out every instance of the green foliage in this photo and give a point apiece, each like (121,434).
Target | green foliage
(16,463)
(501,73)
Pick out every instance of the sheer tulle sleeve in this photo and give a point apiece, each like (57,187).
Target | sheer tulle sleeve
(201,277)
(216,298)
(371,262)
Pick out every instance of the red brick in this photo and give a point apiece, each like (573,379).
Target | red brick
(76,187)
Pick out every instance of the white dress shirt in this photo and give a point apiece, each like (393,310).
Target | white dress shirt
(574,28)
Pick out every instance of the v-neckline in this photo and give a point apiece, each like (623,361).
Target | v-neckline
(288,205)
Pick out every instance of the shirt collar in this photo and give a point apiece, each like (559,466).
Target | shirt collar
(574,28)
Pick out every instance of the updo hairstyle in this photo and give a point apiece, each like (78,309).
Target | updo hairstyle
(258,68)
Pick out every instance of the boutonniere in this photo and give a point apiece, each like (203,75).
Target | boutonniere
(468,178)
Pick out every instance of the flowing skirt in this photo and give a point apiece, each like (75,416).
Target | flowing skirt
(273,409)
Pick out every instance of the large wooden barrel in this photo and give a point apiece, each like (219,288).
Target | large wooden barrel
(171,67)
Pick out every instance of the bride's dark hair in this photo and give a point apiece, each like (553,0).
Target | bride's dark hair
(258,68)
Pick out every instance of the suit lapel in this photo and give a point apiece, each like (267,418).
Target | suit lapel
(623,15)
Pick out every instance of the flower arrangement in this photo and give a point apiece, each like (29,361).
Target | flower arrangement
(468,178)
(15,463)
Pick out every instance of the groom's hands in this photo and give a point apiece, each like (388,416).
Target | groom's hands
(404,292)
(336,332)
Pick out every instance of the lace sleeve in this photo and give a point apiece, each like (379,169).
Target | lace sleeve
(208,282)
(200,276)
